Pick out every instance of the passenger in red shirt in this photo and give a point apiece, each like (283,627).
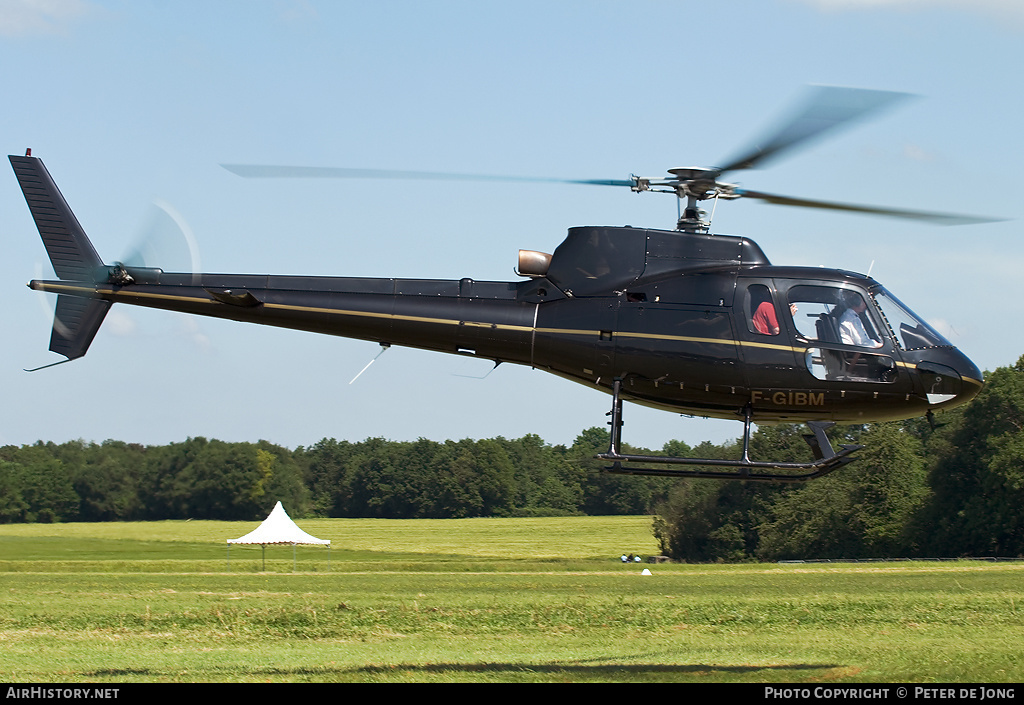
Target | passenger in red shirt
(764,319)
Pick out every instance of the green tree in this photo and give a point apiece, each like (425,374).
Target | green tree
(201,479)
(610,493)
(326,476)
(282,480)
(13,507)
(545,482)
(862,510)
(106,478)
(704,520)
(472,478)
(976,478)
(381,484)
(688,525)
(40,484)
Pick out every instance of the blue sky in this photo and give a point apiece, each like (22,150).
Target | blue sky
(133,102)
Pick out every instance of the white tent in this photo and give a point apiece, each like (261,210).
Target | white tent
(278,528)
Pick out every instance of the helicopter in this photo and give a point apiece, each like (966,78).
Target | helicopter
(681,320)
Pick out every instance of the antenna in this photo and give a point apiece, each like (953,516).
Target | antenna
(496,363)
(383,348)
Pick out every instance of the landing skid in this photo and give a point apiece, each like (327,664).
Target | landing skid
(826,458)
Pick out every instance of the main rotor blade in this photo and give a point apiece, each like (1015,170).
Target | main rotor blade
(935,218)
(267,171)
(826,108)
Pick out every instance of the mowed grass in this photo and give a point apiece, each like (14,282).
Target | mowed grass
(485,600)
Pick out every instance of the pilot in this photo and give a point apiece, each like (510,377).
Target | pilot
(851,327)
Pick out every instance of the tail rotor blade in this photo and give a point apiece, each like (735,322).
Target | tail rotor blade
(165,241)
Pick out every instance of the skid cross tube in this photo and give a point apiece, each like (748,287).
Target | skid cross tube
(826,458)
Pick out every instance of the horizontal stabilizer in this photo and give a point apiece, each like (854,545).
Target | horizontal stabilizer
(72,255)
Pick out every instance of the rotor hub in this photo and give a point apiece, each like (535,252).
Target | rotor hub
(694,173)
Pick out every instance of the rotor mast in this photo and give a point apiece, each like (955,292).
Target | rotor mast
(692,184)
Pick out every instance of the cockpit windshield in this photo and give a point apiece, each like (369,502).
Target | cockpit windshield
(910,331)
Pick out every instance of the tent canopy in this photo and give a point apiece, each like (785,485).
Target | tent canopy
(279,528)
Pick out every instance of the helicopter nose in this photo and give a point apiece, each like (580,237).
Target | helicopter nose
(951,382)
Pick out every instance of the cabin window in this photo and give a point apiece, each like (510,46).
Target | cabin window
(762,317)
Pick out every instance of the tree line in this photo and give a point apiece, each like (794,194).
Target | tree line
(917,490)
(210,479)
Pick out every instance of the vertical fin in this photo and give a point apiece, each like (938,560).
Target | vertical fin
(72,255)
(77,319)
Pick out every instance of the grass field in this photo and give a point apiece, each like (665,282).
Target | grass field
(483,600)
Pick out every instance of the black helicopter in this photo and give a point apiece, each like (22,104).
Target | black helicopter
(680,320)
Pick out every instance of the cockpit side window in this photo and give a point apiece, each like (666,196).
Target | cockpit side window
(840,335)
(832,315)
(761,314)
